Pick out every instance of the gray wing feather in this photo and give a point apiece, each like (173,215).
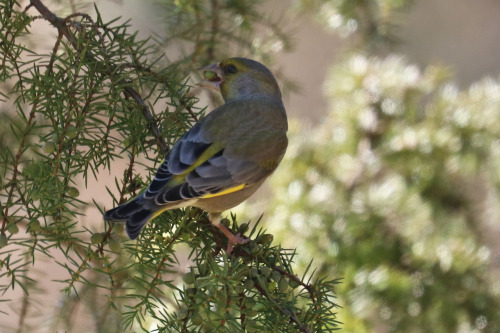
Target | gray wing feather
(222,171)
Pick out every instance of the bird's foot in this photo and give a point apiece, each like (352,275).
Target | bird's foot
(232,238)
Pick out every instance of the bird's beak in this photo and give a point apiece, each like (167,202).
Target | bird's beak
(213,77)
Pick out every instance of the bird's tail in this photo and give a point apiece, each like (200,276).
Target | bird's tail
(134,213)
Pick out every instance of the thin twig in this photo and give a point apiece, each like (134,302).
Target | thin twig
(24,306)
(214,29)
(149,117)
(297,280)
(20,152)
(293,318)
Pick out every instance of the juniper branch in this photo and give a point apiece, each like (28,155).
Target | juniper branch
(62,26)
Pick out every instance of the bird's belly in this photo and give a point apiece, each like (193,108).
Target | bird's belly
(227,201)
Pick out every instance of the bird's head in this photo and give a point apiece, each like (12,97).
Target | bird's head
(240,78)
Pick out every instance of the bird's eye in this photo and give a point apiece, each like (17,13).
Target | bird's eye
(231,69)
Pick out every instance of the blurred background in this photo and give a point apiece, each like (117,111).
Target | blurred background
(392,176)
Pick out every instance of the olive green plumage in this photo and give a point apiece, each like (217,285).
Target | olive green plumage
(225,157)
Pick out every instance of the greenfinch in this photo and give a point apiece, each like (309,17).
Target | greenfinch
(224,157)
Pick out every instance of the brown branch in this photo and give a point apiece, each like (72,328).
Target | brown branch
(127,176)
(242,305)
(297,280)
(20,152)
(155,75)
(7,51)
(57,22)
(149,117)
(214,29)
(197,40)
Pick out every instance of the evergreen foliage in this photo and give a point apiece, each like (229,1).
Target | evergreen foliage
(101,95)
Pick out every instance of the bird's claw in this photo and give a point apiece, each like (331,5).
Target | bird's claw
(232,239)
(236,239)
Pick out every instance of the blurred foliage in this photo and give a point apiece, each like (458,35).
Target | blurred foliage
(203,31)
(373,22)
(397,189)
(213,29)
(102,99)
(391,193)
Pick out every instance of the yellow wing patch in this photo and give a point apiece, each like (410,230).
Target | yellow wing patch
(229,190)
(207,154)
(213,149)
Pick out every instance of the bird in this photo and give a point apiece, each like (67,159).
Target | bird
(225,157)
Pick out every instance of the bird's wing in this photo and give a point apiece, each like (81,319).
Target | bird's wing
(208,160)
